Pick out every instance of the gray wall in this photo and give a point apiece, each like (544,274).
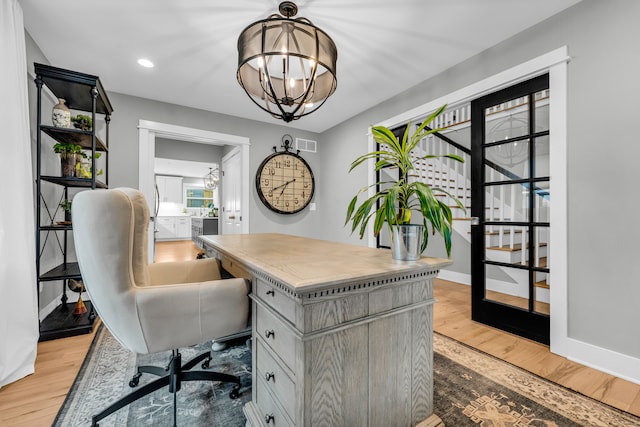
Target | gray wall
(51,255)
(603,103)
(123,153)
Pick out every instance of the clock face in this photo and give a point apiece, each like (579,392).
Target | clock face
(285,183)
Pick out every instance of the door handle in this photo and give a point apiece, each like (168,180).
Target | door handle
(232,217)
(475,220)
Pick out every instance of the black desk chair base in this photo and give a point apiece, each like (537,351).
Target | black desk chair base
(172,375)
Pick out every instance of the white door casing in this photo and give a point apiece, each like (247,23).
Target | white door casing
(147,132)
(554,63)
(231,193)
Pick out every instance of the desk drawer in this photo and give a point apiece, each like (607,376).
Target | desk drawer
(276,379)
(276,335)
(270,412)
(277,300)
(235,268)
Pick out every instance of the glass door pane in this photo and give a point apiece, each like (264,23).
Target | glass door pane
(510,168)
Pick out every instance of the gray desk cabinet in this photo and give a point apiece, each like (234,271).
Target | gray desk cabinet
(342,334)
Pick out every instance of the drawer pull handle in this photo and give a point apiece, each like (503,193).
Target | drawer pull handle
(271,292)
(269,333)
(269,376)
(268,418)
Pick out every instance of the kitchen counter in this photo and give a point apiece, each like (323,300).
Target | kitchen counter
(203,225)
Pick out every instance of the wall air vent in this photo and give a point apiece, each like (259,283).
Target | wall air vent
(306,145)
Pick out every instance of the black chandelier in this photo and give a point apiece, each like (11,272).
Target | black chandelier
(287,66)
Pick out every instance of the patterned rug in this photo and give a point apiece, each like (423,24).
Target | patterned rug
(471,388)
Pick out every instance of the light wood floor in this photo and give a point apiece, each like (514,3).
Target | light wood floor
(35,400)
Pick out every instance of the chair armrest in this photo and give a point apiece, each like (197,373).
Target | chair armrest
(197,270)
(181,315)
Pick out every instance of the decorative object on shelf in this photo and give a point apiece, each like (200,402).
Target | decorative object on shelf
(67,151)
(83,166)
(284,180)
(82,122)
(66,207)
(211,179)
(76,285)
(61,116)
(396,200)
(80,307)
(287,66)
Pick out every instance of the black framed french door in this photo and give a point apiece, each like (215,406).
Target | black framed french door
(510,203)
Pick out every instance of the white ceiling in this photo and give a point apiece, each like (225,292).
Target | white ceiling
(384,46)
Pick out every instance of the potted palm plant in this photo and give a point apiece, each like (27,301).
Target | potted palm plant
(394,201)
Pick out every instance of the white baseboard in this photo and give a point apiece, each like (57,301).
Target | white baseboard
(454,276)
(48,309)
(602,359)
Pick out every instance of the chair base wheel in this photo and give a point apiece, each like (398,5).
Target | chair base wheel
(205,364)
(135,380)
(235,393)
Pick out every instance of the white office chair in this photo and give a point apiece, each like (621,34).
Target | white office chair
(157,307)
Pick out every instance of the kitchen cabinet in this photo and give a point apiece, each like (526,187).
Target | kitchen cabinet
(174,228)
(183,227)
(169,188)
(166,228)
(85,94)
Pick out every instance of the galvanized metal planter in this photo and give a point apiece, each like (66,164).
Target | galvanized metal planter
(406,242)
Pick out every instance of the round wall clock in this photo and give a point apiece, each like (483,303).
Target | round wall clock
(285,181)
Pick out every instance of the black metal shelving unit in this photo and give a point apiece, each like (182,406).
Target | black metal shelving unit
(82,92)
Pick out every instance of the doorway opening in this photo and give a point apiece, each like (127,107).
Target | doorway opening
(148,131)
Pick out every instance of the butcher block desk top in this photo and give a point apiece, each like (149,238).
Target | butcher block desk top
(305,265)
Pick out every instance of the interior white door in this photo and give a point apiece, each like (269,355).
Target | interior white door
(232,193)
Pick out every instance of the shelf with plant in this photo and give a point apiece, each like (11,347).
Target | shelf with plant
(73,136)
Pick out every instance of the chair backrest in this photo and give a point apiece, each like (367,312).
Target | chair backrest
(110,237)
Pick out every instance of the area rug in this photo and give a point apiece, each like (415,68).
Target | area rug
(471,388)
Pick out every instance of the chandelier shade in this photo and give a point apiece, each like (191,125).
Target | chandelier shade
(287,66)
(211,179)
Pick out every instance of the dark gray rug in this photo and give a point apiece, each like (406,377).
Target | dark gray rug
(471,388)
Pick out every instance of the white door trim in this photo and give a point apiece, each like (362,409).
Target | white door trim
(244,200)
(147,132)
(555,63)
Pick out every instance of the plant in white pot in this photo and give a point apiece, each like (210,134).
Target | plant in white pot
(398,199)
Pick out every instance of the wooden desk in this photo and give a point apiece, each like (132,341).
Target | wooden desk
(342,334)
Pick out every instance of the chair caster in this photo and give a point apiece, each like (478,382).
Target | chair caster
(205,364)
(135,380)
(235,393)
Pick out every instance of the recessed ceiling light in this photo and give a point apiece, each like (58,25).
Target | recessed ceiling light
(145,63)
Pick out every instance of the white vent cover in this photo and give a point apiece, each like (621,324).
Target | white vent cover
(306,145)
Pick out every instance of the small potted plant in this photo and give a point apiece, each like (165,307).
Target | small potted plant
(82,121)
(67,151)
(66,207)
(398,199)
